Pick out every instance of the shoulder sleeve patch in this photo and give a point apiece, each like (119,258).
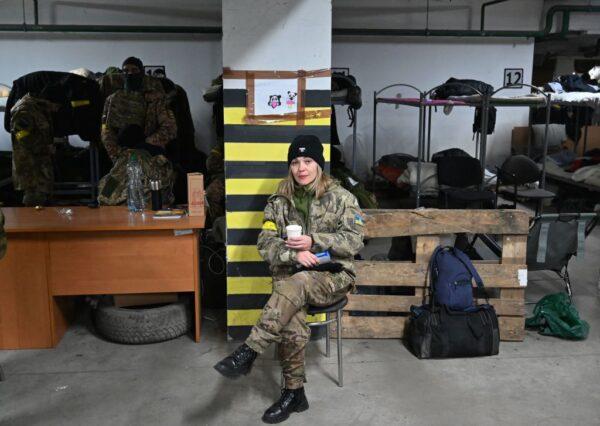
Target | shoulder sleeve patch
(21,134)
(359,220)
(269,226)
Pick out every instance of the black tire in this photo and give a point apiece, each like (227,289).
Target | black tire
(143,325)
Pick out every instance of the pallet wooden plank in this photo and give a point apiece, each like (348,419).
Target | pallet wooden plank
(396,223)
(512,328)
(514,249)
(391,303)
(381,303)
(372,273)
(372,327)
(391,273)
(425,246)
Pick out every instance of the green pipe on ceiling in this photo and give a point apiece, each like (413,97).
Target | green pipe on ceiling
(566,10)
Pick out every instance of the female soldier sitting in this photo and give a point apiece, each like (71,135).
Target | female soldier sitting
(332,221)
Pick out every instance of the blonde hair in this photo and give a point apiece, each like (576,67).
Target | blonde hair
(320,185)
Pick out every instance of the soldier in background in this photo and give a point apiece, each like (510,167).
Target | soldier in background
(138,105)
(31,129)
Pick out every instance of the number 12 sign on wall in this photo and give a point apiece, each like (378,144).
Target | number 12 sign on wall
(513,77)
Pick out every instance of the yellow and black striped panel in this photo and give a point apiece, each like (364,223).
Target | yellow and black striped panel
(255,163)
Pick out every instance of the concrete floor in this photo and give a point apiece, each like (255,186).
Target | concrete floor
(88,381)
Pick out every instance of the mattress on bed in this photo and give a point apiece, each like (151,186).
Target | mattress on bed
(525,100)
(576,98)
(589,175)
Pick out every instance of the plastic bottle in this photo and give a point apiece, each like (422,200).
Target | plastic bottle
(135,187)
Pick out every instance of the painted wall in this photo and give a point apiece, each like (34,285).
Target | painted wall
(285,36)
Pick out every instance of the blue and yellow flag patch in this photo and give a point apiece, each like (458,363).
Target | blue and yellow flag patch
(269,226)
(359,220)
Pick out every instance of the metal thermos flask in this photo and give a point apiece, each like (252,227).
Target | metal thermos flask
(156,195)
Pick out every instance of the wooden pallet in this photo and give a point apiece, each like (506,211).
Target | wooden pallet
(427,225)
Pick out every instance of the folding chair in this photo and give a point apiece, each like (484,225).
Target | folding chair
(555,238)
(517,171)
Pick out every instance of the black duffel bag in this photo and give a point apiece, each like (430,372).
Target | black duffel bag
(438,332)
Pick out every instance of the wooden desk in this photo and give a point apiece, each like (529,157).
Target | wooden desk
(91,251)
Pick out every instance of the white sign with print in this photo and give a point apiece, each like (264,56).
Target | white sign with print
(275,96)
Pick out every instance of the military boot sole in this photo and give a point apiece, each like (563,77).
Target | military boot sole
(303,406)
(232,374)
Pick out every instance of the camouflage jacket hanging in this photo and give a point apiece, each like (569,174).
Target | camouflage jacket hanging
(112,189)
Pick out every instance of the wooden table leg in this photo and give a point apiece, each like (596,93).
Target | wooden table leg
(196,260)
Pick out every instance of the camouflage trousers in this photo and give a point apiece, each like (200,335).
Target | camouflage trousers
(32,162)
(283,319)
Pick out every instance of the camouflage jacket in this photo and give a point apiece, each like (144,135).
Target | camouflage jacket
(31,116)
(335,223)
(149,110)
(2,236)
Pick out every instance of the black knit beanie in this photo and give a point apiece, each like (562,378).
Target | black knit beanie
(132,60)
(307,146)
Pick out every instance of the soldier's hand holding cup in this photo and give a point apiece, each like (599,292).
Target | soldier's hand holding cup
(295,239)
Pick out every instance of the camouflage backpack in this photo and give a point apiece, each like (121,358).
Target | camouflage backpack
(112,188)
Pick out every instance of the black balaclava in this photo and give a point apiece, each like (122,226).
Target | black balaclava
(307,146)
(134,82)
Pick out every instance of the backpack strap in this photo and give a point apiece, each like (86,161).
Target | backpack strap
(433,273)
(467,262)
(460,255)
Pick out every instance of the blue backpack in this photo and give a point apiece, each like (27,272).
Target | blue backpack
(450,275)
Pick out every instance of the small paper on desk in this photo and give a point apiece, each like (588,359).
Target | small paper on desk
(168,214)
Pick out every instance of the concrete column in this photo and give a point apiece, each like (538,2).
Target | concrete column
(265,35)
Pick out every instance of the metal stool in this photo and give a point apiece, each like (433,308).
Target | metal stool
(84,188)
(327,310)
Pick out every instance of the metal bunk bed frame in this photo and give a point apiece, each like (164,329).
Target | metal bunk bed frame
(425,103)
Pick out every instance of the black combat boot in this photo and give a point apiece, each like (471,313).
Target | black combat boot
(291,401)
(238,363)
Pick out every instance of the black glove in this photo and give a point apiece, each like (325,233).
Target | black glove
(131,136)
(152,149)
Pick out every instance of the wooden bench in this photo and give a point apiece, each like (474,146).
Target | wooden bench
(511,227)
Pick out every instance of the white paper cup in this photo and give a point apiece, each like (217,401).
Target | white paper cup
(293,230)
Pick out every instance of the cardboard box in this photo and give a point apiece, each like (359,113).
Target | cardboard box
(195,183)
(519,140)
(122,300)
